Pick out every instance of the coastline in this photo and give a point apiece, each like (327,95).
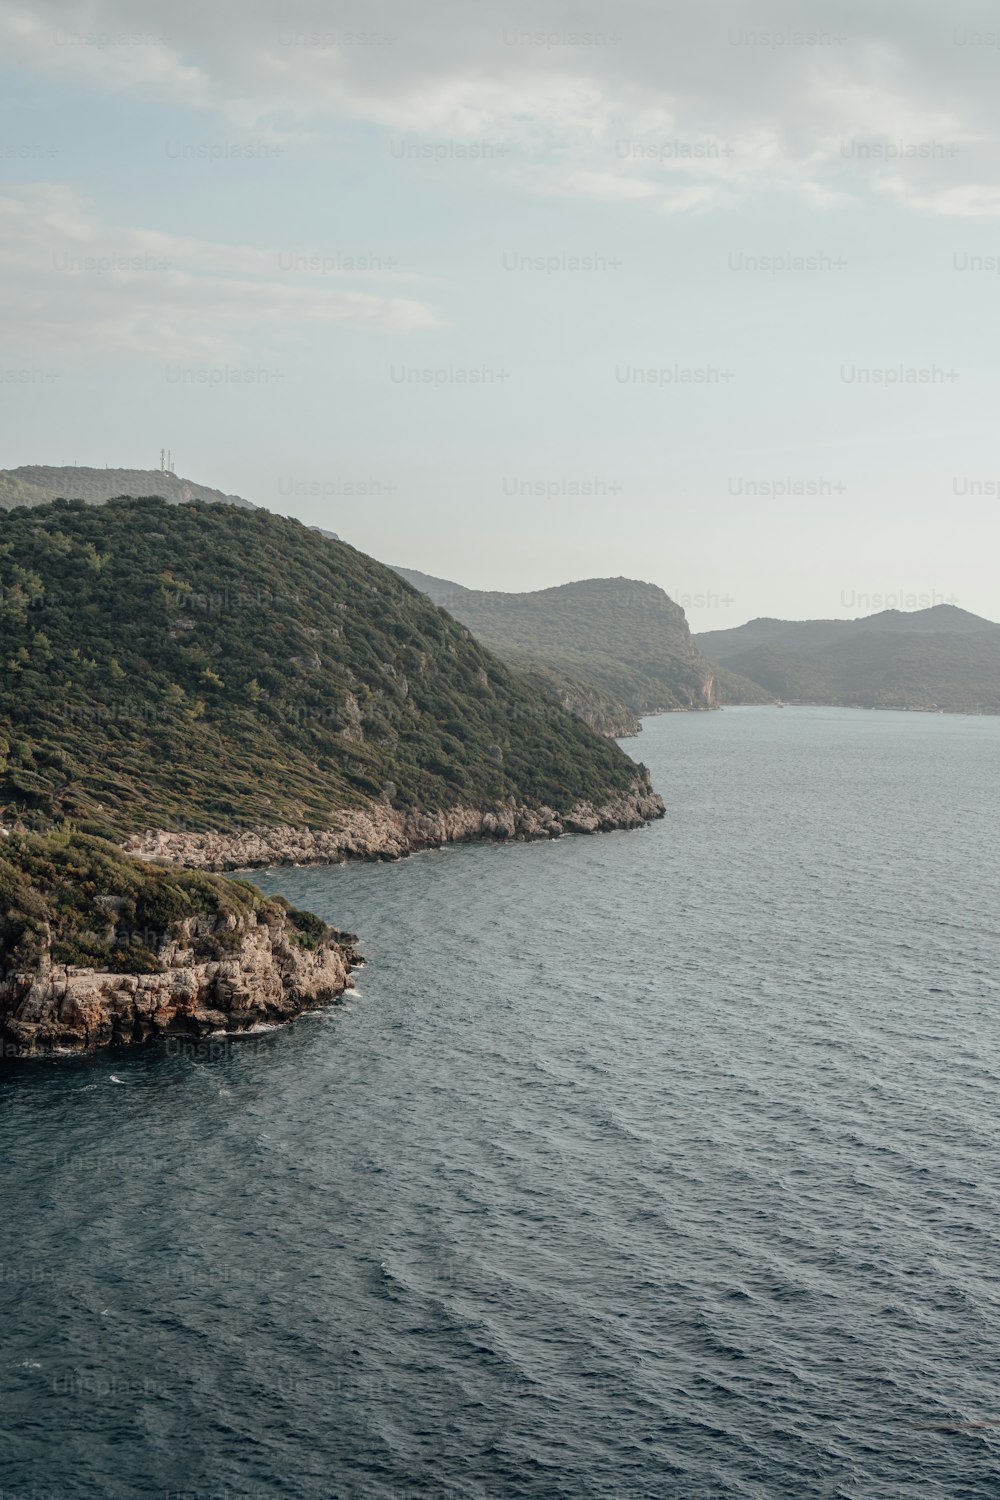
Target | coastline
(380,832)
(269,979)
(876,708)
(265,965)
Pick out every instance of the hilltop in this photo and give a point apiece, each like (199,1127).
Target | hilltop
(206,671)
(610,648)
(941,658)
(37,484)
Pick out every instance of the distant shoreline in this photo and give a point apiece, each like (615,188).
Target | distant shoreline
(876,708)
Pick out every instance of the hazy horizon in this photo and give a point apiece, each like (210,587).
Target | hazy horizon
(699,296)
(855,606)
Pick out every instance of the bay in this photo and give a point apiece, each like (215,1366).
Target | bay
(661,1163)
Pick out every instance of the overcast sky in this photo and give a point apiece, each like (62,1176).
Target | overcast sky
(697,293)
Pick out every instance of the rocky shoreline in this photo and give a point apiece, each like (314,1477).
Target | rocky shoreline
(268,978)
(382,832)
(227,972)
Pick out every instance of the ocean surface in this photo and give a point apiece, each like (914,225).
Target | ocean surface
(663,1163)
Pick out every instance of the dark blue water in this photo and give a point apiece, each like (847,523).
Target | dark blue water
(652,1164)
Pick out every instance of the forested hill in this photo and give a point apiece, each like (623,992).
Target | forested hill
(204,666)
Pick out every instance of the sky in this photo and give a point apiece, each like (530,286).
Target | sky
(704,294)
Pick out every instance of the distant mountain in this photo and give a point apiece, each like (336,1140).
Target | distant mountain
(609,648)
(942,658)
(36,484)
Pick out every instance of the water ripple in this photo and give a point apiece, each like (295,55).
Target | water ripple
(654,1165)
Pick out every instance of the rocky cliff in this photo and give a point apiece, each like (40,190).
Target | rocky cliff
(268,978)
(624,642)
(598,709)
(97,949)
(382,832)
(238,961)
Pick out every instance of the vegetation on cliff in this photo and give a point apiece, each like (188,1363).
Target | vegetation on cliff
(625,643)
(202,666)
(79,900)
(600,709)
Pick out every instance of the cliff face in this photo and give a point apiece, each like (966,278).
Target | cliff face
(599,710)
(97,949)
(268,976)
(595,645)
(382,832)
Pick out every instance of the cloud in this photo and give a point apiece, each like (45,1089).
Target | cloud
(85,291)
(969,200)
(785,86)
(610,186)
(109,50)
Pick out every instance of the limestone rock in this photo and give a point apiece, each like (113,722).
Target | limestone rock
(379,831)
(270,977)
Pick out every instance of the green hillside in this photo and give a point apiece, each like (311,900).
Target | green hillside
(207,667)
(594,705)
(624,641)
(83,902)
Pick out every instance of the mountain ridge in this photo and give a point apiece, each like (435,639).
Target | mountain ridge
(621,640)
(940,658)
